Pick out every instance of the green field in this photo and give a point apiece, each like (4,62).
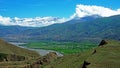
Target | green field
(62,47)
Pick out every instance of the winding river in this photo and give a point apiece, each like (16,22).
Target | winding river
(42,52)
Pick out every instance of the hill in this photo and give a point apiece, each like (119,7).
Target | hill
(106,55)
(13,56)
(8,48)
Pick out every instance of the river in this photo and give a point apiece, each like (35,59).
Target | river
(42,52)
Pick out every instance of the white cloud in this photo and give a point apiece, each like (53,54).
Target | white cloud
(31,22)
(5,20)
(81,11)
(87,10)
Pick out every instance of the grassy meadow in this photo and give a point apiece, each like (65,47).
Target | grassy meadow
(107,56)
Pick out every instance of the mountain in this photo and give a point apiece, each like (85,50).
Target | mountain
(106,55)
(8,30)
(86,18)
(100,28)
(82,19)
(89,29)
(30,22)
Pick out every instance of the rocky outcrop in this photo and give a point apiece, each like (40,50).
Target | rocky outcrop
(15,58)
(102,43)
(44,60)
(34,64)
(94,52)
(85,64)
(11,57)
(49,57)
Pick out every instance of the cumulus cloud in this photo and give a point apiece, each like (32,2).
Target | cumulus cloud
(31,22)
(87,10)
(5,20)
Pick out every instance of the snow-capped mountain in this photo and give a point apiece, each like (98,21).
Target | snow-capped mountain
(31,22)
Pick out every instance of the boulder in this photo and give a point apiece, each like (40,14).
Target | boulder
(85,64)
(102,43)
(94,52)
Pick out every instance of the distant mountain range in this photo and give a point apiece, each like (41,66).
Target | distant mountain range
(87,28)
(31,22)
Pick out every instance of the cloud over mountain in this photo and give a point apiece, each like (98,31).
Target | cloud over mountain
(81,11)
(87,10)
(31,22)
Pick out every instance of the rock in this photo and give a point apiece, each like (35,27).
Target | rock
(15,58)
(94,52)
(43,60)
(85,64)
(49,57)
(11,57)
(103,42)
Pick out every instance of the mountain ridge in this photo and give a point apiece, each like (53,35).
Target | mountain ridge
(97,29)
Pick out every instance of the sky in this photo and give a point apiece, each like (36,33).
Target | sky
(39,13)
(43,8)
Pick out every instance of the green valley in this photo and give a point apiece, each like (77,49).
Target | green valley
(62,47)
(59,34)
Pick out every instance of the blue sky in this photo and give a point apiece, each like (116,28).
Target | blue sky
(42,8)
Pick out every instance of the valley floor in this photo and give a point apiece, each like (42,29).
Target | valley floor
(62,47)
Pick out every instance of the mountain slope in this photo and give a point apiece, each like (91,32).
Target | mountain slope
(105,56)
(8,30)
(74,30)
(12,56)
(12,49)
(101,28)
